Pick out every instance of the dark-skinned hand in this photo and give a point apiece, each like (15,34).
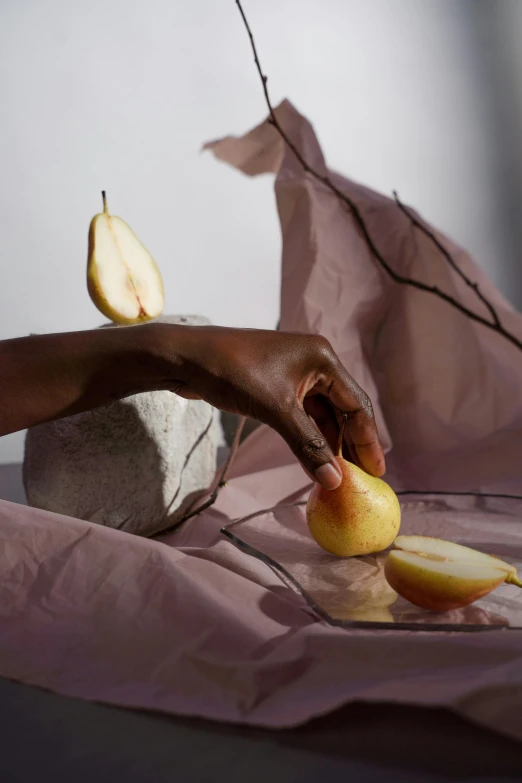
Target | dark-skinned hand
(295,383)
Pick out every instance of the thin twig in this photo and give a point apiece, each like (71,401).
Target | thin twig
(186,462)
(220,483)
(447,255)
(326,181)
(223,476)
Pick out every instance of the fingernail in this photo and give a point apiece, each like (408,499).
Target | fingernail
(328,476)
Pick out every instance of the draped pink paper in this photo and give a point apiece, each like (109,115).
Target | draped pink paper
(189,624)
(447,391)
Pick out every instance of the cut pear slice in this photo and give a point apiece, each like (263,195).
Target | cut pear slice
(123,279)
(447,550)
(439,575)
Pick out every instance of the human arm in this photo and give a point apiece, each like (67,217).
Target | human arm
(295,383)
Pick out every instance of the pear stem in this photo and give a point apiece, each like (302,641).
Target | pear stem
(512,579)
(105,207)
(341,436)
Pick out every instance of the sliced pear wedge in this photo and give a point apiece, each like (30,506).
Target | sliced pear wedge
(439,575)
(123,279)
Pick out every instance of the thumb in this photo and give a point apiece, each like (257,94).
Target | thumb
(309,446)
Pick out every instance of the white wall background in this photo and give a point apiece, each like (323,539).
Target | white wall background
(120,94)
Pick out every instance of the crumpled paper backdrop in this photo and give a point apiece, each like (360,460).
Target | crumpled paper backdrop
(190,624)
(447,392)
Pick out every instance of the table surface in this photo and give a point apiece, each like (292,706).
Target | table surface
(62,739)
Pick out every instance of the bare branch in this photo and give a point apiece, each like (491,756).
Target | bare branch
(223,476)
(219,484)
(447,255)
(494,325)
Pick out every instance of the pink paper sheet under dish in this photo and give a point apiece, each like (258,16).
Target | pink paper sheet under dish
(192,624)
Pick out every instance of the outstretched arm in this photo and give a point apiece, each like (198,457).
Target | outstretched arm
(295,383)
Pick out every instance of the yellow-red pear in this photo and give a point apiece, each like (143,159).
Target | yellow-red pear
(439,575)
(361,516)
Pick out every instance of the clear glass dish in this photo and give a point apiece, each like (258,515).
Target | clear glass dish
(353,592)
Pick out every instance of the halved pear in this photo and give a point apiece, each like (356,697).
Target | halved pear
(123,279)
(439,575)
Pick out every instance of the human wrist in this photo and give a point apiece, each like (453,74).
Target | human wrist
(165,351)
(130,360)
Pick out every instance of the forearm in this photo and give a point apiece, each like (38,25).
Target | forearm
(46,377)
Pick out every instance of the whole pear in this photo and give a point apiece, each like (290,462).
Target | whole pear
(361,516)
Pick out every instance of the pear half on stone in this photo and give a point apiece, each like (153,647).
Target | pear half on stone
(123,279)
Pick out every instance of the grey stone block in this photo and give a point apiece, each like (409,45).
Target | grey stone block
(136,464)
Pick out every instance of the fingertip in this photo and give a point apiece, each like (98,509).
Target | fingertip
(380,470)
(372,460)
(328,476)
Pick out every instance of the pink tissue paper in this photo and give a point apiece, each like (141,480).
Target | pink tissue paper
(189,623)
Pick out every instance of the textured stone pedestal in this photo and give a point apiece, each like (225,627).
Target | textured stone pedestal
(135,465)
